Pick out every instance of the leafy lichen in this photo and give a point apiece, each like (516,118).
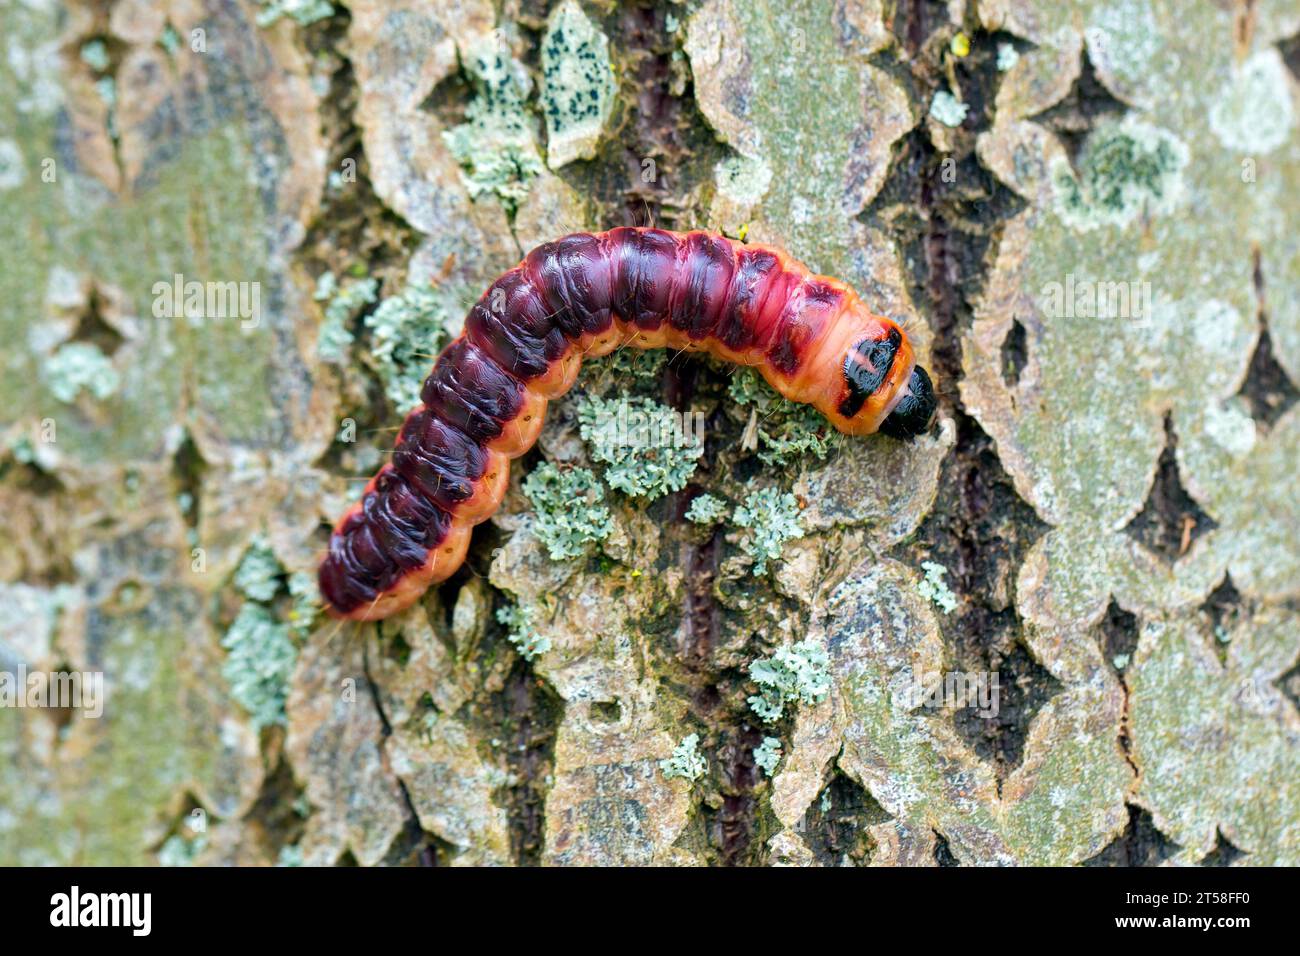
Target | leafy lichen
(570,509)
(935,588)
(496,146)
(947,109)
(773,519)
(784,430)
(646,447)
(521,631)
(258,575)
(259,663)
(799,673)
(406,331)
(345,302)
(768,754)
(686,762)
(706,509)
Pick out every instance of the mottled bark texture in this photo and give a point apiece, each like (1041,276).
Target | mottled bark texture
(236,234)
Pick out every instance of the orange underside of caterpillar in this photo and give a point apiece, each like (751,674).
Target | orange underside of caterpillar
(583,296)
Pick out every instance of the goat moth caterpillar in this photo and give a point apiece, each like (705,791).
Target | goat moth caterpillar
(585,295)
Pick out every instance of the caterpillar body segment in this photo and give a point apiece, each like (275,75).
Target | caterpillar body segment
(586,295)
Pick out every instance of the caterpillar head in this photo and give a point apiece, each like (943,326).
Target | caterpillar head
(885,390)
(912,415)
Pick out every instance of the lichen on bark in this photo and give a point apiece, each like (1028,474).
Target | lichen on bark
(1102,517)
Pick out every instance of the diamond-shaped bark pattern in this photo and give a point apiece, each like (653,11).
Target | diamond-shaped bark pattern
(835,826)
(1268,389)
(1141,844)
(1223,854)
(1171,520)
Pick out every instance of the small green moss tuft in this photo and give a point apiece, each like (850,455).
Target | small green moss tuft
(570,506)
(799,673)
(686,762)
(773,519)
(648,449)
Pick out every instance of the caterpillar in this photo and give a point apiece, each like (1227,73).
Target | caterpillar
(588,294)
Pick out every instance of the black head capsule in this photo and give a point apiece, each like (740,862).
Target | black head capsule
(912,415)
(865,369)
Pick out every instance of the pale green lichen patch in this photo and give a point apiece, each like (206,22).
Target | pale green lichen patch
(259,661)
(344,302)
(772,517)
(407,331)
(798,674)
(258,575)
(571,514)
(1254,113)
(77,367)
(686,762)
(521,631)
(767,755)
(648,449)
(628,366)
(935,589)
(496,146)
(947,109)
(13,169)
(260,649)
(302,12)
(1126,170)
(784,431)
(743,179)
(181,851)
(578,85)
(706,509)
(95,55)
